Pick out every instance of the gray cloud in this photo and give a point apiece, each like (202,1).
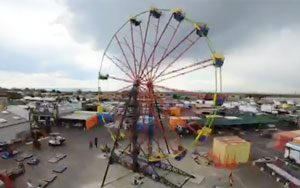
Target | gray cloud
(234,25)
(232,22)
(259,39)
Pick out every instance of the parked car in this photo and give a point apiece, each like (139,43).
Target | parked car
(33,161)
(292,152)
(16,171)
(56,139)
(180,130)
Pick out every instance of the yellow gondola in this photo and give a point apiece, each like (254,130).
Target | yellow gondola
(157,157)
(121,136)
(178,155)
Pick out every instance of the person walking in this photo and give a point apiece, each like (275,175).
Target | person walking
(29,184)
(230,179)
(91,144)
(96,142)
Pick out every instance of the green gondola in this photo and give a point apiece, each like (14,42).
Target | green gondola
(103,77)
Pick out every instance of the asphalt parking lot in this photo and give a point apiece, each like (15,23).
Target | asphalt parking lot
(85,167)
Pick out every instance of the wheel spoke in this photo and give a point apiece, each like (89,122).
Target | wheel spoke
(156,35)
(124,88)
(133,49)
(161,35)
(133,55)
(184,73)
(174,48)
(168,45)
(119,79)
(143,47)
(124,71)
(180,55)
(183,68)
(174,90)
(124,55)
(143,43)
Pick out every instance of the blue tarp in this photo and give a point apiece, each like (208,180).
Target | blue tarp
(145,122)
(105,117)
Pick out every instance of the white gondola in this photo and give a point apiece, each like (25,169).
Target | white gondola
(292,152)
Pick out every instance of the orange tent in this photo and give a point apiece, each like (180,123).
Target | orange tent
(175,111)
(174,121)
(91,122)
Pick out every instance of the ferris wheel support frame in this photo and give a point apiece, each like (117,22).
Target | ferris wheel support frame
(137,161)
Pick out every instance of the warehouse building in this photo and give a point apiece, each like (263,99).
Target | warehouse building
(81,119)
(13,127)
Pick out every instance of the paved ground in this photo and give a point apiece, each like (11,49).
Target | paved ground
(86,168)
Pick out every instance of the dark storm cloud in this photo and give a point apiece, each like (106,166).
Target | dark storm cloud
(232,22)
(257,37)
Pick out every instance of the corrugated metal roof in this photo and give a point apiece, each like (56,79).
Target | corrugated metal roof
(67,107)
(19,110)
(10,119)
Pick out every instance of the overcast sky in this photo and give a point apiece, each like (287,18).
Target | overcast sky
(59,43)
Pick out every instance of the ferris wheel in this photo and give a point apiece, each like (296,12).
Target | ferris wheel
(154,51)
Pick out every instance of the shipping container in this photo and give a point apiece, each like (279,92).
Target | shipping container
(284,137)
(230,150)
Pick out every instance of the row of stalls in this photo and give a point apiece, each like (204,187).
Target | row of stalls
(270,107)
(15,124)
(243,121)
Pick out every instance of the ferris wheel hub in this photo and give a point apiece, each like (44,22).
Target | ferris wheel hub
(137,82)
(150,84)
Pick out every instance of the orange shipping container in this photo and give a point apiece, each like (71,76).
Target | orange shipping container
(228,151)
(284,137)
(91,122)
(174,121)
(175,111)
